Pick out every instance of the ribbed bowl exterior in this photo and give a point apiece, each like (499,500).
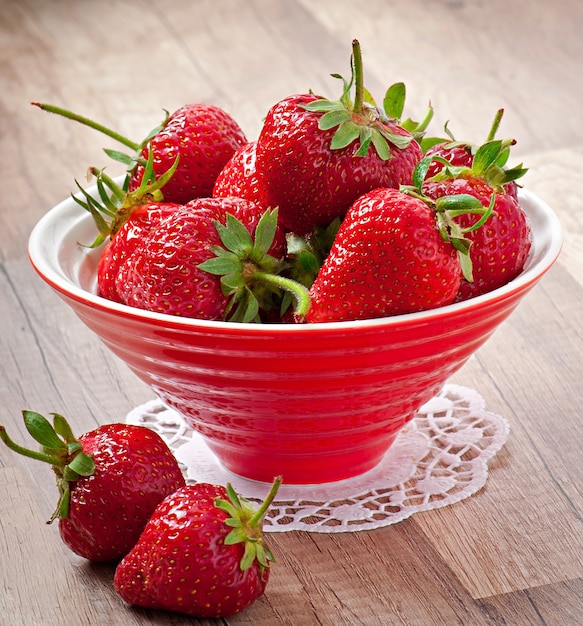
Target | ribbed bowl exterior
(312,403)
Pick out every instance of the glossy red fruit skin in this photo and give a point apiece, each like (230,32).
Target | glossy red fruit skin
(143,220)
(162,271)
(134,471)
(388,258)
(311,183)
(182,564)
(239,177)
(458,156)
(500,247)
(205,137)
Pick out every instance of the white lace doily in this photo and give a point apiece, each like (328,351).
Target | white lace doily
(439,458)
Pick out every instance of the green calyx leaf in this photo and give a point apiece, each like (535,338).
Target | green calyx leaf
(115,204)
(333,118)
(42,431)
(489,159)
(394,105)
(447,209)
(57,447)
(347,133)
(489,155)
(305,254)
(250,277)
(82,465)
(360,120)
(394,101)
(247,525)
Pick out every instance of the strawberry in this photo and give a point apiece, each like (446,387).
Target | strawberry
(202,554)
(500,247)
(199,138)
(110,481)
(204,137)
(145,218)
(315,156)
(239,177)
(211,258)
(387,258)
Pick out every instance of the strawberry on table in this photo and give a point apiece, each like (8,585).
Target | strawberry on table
(110,481)
(315,157)
(202,554)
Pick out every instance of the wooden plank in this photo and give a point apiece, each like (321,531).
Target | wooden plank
(550,604)
(528,517)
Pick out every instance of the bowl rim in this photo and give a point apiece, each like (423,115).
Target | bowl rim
(58,279)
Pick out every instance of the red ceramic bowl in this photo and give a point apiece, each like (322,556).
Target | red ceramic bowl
(313,403)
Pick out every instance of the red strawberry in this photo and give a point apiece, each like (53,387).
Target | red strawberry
(388,258)
(212,258)
(202,553)
(204,137)
(201,138)
(500,247)
(110,481)
(209,259)
(239,177)
(315,157)
(144,219)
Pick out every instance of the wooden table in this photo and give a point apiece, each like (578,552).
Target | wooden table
(512,553)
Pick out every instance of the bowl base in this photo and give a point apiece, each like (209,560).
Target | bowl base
(302,470)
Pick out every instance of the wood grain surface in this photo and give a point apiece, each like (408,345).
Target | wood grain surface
(511,554)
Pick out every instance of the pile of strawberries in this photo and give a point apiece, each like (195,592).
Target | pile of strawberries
(196,549)
(339,210)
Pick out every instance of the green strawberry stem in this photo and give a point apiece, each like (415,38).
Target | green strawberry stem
(247,524)
(50,108)
(298,291)
(32,454)
(59,448)
(358,77)
(495,125)
(262,510)
(360,121)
